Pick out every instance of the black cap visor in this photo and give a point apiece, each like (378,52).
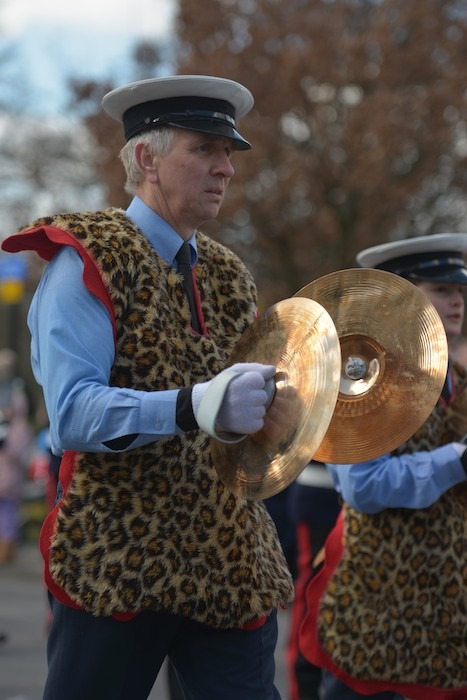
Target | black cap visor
(209,116)
(446,267)
(447,276)
(215,128)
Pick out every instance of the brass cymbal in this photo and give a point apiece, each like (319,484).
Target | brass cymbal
(300,339)
(394,361)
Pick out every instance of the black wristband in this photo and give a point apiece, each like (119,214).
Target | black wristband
(121,443)
(184,417)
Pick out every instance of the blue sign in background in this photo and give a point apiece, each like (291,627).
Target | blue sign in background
(13,267)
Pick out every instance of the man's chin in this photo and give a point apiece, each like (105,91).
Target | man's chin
(211,212)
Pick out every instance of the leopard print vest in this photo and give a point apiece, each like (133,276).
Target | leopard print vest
(154,529)
(396,607)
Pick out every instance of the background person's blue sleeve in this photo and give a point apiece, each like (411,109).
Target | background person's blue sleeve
(72,352)
(409,481)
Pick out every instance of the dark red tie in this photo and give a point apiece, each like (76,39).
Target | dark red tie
(183,259)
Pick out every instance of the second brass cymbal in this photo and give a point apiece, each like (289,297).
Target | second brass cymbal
(299,338)
(394,361)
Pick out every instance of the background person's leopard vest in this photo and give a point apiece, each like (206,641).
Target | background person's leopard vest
(396,607)
(154,528)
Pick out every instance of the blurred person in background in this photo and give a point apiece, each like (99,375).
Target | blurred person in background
(312,507)
(15,442)
(279,510)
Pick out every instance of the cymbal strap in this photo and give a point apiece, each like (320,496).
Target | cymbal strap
(210,406)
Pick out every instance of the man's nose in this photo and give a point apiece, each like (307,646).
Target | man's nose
(224,165)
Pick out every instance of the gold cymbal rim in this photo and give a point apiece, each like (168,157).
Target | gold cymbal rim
(380,310)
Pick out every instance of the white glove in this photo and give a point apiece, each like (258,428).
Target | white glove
(235,401)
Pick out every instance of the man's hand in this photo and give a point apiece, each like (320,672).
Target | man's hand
(238,398)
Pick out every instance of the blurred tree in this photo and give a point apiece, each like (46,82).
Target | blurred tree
(46,166)
(107,136)
(147,60)
(359,128)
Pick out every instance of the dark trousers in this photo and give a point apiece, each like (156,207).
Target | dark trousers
(99,658)
(334,689)
(305,677)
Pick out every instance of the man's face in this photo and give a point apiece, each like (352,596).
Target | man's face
(192,179)
(448,300)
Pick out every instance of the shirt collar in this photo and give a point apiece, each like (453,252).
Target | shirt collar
(163,238)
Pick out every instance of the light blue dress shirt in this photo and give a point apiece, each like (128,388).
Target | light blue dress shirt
(410,481)
(72,352)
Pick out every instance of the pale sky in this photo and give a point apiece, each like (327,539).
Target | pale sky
(135,17)
(89,39)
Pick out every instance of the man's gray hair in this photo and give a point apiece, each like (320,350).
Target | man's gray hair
(158,141)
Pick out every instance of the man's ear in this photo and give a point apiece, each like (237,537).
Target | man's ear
(146,162)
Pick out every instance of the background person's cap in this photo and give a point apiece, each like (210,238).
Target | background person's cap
(435,258)
(195,102)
